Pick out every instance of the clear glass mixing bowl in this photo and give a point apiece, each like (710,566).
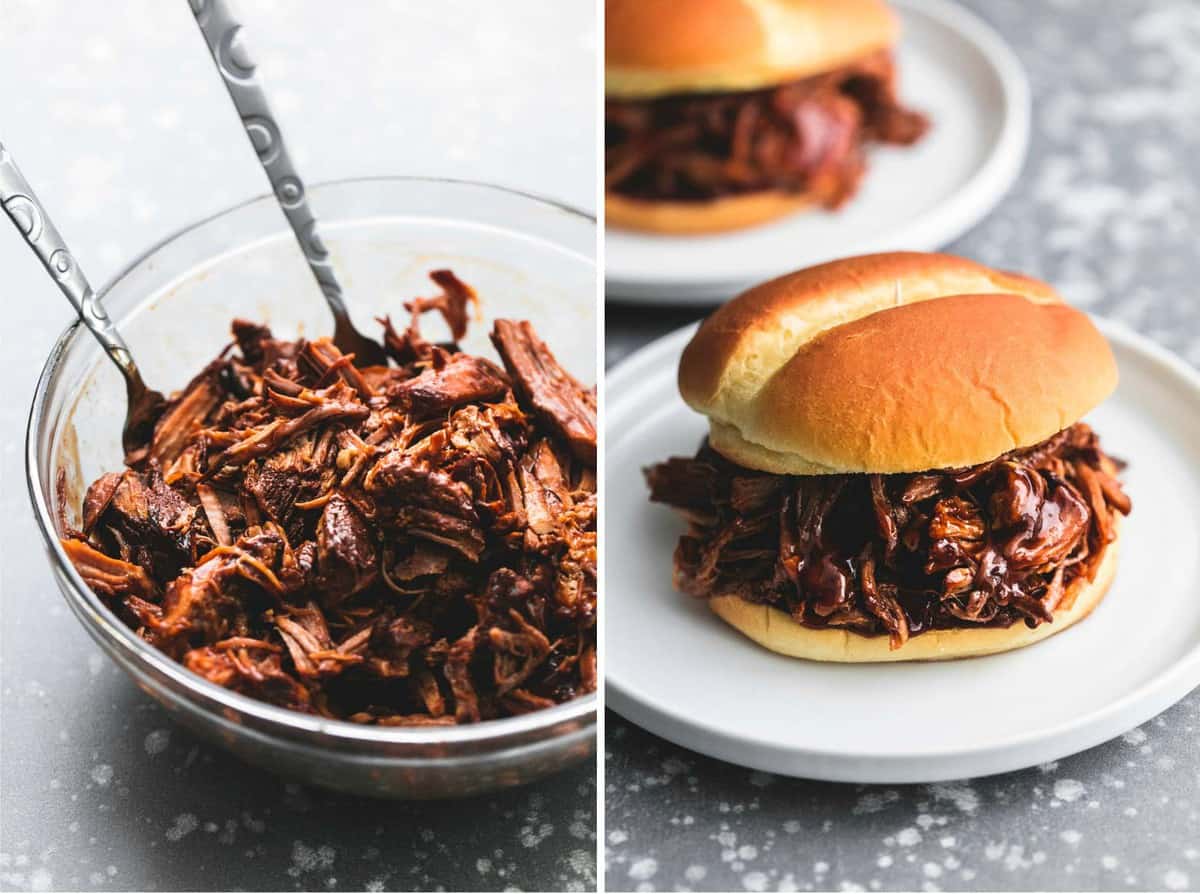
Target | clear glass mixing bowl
(528,258)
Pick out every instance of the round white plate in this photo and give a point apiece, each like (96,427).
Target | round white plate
(954,68)
(677,670)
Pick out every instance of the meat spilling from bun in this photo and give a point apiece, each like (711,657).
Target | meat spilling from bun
(992,545)
(801,137)
(894,454)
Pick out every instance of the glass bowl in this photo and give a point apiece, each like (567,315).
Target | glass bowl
(528,258)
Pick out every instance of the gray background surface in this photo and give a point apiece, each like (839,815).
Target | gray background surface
(119,120)
(1105,209)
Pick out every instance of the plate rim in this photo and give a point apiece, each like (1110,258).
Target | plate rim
(1002,755)
(983,190)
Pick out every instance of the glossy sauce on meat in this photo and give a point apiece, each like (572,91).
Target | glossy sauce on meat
(410,544)
(995,544)
(803,136)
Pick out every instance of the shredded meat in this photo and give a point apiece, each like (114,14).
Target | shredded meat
(452,303)
(450,382)
(804,136)
(401,545)
(560,401)
(897,555)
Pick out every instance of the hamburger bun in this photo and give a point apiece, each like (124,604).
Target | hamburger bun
(693,218)
(891,363)
(779,632)
(657,47)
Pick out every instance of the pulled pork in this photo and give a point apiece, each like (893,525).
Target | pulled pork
(807,136)
(897,555)
(402,545)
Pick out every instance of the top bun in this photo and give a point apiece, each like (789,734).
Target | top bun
(898,362)
(655,47)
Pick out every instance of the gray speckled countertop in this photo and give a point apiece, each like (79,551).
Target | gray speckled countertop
(117,117)
(1105,209)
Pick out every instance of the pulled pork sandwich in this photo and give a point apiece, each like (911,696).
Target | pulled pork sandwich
(411,544)
(723,114)
(894,468)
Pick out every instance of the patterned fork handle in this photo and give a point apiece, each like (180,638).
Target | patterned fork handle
(26,212)
(220,31)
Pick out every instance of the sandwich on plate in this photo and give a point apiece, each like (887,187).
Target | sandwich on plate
(723,114)
(895,467)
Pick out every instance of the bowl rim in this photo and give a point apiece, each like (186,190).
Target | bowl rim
(582,708)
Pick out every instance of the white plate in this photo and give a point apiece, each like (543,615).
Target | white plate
(954,68)
(677,670)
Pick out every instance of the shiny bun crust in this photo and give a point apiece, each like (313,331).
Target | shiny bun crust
(892,363)
(694,218)
(657,47)
(777,631)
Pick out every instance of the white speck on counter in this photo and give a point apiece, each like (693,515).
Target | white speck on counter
(961,795)
(1068,790)
(644,869)
(909,837)
(873,802)
(1015,858)
(532,836)
(673,766)
(156,741)
(755,881)
(1175,880)
(1135,737)
(307,859)
(185,824)
(581,827)
(583,864)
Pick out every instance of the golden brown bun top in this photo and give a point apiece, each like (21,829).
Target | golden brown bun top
(655,47)
(892,363)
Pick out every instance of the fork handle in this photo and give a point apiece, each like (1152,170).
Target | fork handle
(221,32)
(34,224)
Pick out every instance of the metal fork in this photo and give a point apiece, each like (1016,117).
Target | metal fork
(222,32)
(143,405)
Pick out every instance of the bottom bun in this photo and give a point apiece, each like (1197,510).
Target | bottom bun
(778,632)
(708,216)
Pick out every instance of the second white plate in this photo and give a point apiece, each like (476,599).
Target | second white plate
(675,669)
(954,68)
